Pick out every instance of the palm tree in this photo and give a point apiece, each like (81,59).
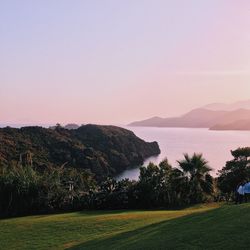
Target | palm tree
(197,170)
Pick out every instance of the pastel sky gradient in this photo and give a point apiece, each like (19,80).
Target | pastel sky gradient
(113,62)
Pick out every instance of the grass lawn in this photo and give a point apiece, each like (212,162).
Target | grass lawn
(213,226)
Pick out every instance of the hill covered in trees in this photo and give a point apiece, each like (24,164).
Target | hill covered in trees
(104,150)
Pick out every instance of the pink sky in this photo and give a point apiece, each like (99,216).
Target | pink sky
(115,62)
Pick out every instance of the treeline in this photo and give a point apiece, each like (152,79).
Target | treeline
(26,190)
(159,186)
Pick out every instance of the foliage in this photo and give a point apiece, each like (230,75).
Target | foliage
(24,190)
(197,171)
(104,150)
(235,172)
(158,186)
(112,194)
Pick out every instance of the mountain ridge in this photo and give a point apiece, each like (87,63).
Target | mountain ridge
(205,118)
(229,107)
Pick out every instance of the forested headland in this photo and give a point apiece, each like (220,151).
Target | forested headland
(103,150)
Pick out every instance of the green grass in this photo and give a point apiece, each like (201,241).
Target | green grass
(213,226)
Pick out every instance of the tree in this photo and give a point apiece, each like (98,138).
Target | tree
(235,172)
(19,190)
(162,186)
(113,194)
(197,171)
(24,190)
(149,185)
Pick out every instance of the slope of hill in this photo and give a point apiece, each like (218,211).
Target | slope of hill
(237,125)
(197,118)
(105,150)
(228,107)
(202,118)
(210,226)
(151,122)
(233,116)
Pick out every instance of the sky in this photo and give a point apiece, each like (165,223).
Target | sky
(113,62)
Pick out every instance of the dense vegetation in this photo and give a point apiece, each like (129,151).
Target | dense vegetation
(235,172)
(104,150)
(159,186)
(210,226)
(25,190)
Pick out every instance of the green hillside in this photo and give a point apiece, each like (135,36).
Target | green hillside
(213,226)
(105,150)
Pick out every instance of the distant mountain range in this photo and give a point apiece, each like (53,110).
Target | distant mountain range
(217,116)
(228,107)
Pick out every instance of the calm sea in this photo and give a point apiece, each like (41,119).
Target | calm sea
(173,142)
